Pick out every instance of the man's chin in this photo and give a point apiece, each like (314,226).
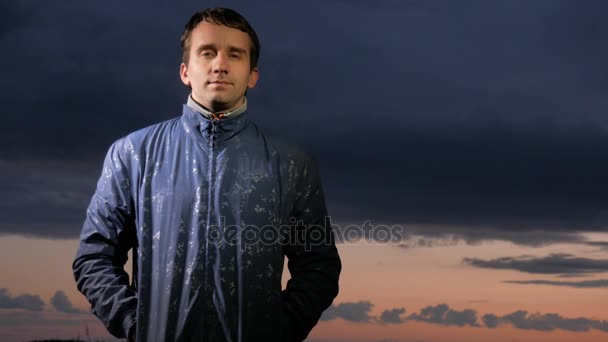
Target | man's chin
(219,105)
(215,103)
(219,102)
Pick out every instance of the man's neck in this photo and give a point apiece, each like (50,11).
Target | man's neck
(208,113)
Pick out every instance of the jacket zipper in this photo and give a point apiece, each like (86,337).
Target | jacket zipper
(208,220)
(219,296)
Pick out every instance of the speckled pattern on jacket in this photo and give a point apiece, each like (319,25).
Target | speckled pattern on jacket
(209,207)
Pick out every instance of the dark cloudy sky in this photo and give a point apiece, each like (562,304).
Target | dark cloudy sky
(465,121)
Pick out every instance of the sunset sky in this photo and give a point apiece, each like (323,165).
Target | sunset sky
(479,127)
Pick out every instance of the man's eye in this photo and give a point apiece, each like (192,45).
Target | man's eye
(235,55)
(207,53)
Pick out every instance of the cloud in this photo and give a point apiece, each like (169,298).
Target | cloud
(599,283)
(45,198)
(444,315)
(11,15)
(393,315)
(490,320)
(465,129)
(25,301)
(421,241)
(71,119)
(27,319)
(420,236)
(563,264)
(548,322)
(446,236)
(61,303)
(354,312)
(603,245)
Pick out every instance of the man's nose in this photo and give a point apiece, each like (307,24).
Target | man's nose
(220,63)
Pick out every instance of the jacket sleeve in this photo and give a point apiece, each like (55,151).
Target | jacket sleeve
(106,237)
(313,259)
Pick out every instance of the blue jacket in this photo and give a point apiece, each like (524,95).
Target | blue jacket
(210,208)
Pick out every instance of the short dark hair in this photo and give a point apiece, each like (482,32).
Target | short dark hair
(221,16)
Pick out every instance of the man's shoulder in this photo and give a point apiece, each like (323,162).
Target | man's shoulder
(155,130)
(287,149)
(142,136)
(137,143)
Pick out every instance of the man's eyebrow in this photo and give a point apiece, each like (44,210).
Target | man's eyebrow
(206,47)
(213,47)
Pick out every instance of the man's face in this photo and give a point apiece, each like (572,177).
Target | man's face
(218,70)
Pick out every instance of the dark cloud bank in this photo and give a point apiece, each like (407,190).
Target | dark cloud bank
(565,265)
(442,314)
(359,312)
(34,303)
(485,121)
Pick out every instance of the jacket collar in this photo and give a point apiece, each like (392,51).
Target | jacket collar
(209,114)
(212,132)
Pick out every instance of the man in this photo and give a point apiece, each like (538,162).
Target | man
(211,205)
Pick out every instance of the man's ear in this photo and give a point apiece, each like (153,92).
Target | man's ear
(183,74)
(253,77)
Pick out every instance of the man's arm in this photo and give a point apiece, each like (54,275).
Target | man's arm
(313,259)
(106,237)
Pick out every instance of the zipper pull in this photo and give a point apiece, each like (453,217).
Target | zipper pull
(217,117)
(213,131)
